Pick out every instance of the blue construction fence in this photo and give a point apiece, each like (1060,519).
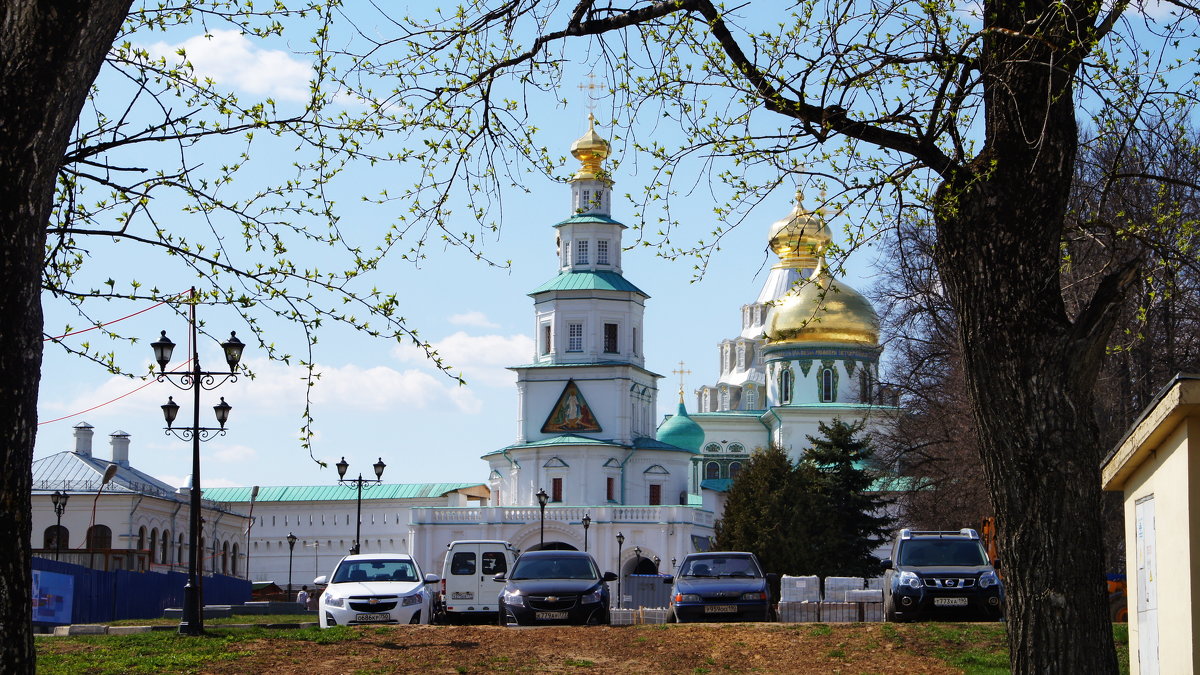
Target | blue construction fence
(65,593)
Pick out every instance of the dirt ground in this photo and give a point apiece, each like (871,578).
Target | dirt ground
(692,648)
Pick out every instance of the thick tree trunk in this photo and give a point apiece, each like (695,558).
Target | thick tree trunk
(50,53)
(1030,368)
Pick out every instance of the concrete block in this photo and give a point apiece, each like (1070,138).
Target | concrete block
(839,612)
(799,612)
(875,583)
(872,611)
(127,630)
(800,589)
(81,629)
(867,595)
(836,587)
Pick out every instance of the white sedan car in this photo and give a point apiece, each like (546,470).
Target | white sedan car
(383,588)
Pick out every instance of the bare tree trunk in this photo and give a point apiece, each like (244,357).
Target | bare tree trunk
(50,53)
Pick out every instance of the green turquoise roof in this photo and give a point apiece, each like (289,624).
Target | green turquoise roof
(717,484)
(588,218)
(565,439)
(318,493)
(647,443)
(682,431)
(588,281)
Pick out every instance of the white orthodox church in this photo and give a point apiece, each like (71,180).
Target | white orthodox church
(807,351)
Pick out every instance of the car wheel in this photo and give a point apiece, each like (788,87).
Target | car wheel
(889,610)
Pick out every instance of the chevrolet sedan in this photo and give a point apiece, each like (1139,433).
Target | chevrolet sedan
(554,587)
(381,588)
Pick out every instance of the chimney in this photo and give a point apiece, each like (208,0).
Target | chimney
(120,448)
(83,439)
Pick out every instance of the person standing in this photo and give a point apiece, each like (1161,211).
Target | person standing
(302,597)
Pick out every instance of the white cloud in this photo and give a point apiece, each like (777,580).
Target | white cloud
(232,59)
(234,453)
(482,359)
(473,318)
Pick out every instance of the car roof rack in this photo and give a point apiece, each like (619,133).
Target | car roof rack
(970,533)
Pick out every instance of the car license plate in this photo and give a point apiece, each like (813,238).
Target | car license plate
(950,602)
(372,618)
(550,616)
(720,609)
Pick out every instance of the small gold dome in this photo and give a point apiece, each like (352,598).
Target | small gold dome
(800,237)
(590,149)
(822,310)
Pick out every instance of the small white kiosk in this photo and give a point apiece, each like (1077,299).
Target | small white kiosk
(1157,467)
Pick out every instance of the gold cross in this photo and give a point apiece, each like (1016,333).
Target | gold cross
(681,372)
(591,87)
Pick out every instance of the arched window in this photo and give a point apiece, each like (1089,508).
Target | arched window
(56,537)
(751,397)
(785,387)
(712,471)
(141,546)
(737,448)
(165,556)
(99,537)
(233,565)
(827,385)
(724,398)
(712,447)
(225,558)
(179,550)
(734,469)
(153,547)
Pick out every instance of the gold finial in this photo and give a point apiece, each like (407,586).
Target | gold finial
(590,149)
(681,372)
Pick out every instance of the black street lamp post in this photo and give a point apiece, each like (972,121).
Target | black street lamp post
(620,572)
(60,504)
(195,380)
(673,561)
(587,522)
(542,498)
(291,540)
(637,553)
(359,482)
(657,562)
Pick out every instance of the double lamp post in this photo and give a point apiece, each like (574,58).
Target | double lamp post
(359,482)
(195,380)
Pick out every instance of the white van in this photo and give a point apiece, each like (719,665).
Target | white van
(468,586)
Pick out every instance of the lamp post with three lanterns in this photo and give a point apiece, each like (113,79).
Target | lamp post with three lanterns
(194,380)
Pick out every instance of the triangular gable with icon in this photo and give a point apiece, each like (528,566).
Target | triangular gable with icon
(571,414)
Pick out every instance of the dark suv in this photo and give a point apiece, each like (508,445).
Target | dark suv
(941,574)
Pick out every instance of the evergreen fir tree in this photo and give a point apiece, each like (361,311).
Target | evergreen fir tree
(854,519)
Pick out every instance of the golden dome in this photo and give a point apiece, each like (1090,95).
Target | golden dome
(800,237)
(590,149)
(822,310)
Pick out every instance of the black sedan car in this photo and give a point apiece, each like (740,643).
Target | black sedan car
(719,586)
(554,587)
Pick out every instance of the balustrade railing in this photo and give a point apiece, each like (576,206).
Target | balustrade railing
(568,514)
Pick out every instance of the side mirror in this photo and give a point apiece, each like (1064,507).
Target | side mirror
(321,580)
(432,578)
(609,576)
(886,564)
(668,580)
(500,577)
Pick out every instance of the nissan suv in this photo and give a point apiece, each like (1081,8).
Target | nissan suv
(941,574)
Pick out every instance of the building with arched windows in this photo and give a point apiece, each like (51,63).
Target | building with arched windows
(808,351)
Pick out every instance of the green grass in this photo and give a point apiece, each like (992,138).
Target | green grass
(163,652)
(217,621)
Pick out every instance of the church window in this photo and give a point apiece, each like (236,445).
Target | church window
(99,537)
(581,252)
(735,469)
(610,489)
(610,338)
(785,387)
(602,252)
(556,485)
(546,335)
(55,537)
(234,563)
(165,545)
(575,337)
(141,544)
(655,495)
(751,398)
(741,356)
(566,254)
(635,341)
(153,543)
(724,398)
(827,385)
(586,202)
(712,471)
(737,448)
(712,447)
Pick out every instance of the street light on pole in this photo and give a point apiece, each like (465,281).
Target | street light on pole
(60,504)
(587,522)
(109,472)
(542,498)
(291,540)
(195,380)
(620,572)
(342,467)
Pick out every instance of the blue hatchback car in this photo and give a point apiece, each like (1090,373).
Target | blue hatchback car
(720,586)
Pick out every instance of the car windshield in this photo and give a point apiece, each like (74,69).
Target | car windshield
(720,566)
(942,552)
(565,567)
(375,570)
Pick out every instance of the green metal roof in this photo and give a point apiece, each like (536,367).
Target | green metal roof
(646,443)
(565,439)
(589,218)
(320,493)
(716,484)
(602,280)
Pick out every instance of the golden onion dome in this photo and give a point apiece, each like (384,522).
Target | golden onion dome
(800,237)
(822,310)
(591,150)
